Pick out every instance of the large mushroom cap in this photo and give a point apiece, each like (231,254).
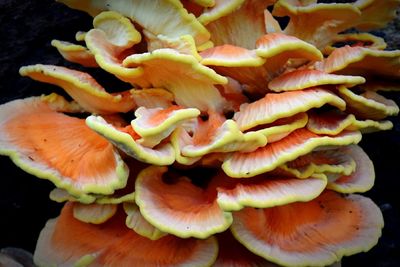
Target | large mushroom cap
(66,241)
(315,233)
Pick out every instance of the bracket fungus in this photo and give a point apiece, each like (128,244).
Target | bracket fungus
(235,144)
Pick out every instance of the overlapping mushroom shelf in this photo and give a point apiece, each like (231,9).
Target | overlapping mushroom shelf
(243,147)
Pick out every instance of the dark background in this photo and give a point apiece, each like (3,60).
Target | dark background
(26,29)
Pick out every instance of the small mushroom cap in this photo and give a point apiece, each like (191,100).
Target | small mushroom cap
(334,122)
(125,194)
(168,18)
(255,67)
(330,161)
(361,180)
(67,152)
(301,79)
(61,195)
(375,14)
(274,44)
(315,233)
(110,57)
(111,41)
(316,23)
(276,106)
(281,128)
(362,61)
(75,53)
(82,88)
(94,213)
(66,241)
(298,143)
(80,36)
(155,125)
(126,141)
(219,135)
(179,207)
(220,9)
(179,138)
(331,122)
(138,223)
(368,105)
(119,30)
(193,87)
(231,56)
(370,126)
(241,27)
(150,122)
(183,44)
(360,39)
(265,191)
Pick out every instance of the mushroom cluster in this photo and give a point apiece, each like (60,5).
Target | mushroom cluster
(242,150)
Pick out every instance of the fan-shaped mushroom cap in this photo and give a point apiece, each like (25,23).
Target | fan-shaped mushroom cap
(375,14)
(119,30)
(126,141)
(75,53)
(54,146)
(231,56)
(218,135)
(193,87)
(276,106)
(66,241)
(220,9)
(111,41)
(319,232)
(183,44)
(240,27)
(179,207)
(316,23)
(257,67)
(361,180)
(265,191)
(322,161)
(362,61)
(169,17)
(179,138)
(82,88)
(301,79)
(138,223)
(94,213)
(298,143)
(281,128)
(359,39)
(61,195)
(334,122)
(154,125)
(368,105)
(125,194)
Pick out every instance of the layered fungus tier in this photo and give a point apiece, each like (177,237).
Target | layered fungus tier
(235,144)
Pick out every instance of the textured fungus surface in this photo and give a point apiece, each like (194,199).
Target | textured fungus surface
(221,121)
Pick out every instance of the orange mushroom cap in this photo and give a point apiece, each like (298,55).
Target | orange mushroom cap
(43,141)
(301,233)
(67,241)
